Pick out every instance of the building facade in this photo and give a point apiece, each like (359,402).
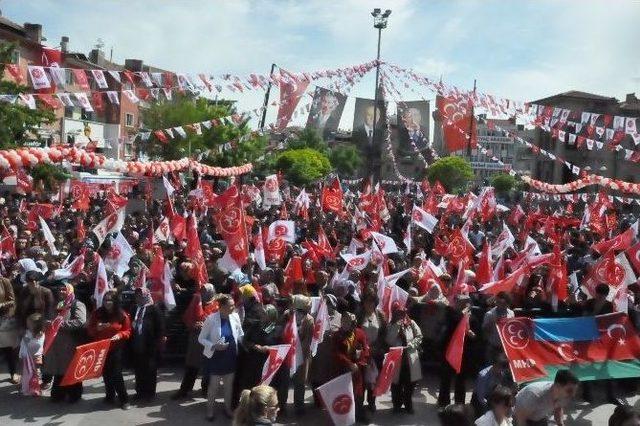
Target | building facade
(604,162)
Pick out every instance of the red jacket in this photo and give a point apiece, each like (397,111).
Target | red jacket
(122,328)
(345,355)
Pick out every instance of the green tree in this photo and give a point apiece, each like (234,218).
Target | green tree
(308,138)
(18,123)
(503,182)
(184,109)
(345,159)
(452,172)
(49,175)
(303,166)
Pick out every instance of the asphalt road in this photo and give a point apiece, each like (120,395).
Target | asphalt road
(16,409)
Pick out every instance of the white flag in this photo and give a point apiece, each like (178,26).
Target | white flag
(277,355)
(83,100)
(179,130)
(167,186)
(112,95)
(39,78)
(28,99)
(66,100)
(118,257)
(112,223)
(48,236)
(423,219)
(146,79)
(285,229)
(337,395)
(169,298)
(291,337)
(258,251)
(385,243)
(130,94)
(271,192)
(101,81)
(115,75)
(102,283)
(319,326)
(163,231)
(357,262)
(58,75)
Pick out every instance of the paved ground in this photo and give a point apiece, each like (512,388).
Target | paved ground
(16,409)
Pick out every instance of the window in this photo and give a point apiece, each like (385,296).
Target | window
(129,120)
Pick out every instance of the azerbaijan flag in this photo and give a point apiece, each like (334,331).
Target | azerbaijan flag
(593,348)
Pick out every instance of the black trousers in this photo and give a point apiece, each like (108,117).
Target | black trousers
(189,380)
(146,373)
(11,355)
(447,374)
(71,393)
(402,391)
(112,376)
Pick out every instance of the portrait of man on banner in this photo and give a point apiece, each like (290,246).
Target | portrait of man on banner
(413,125)
(363,135)
(326,111)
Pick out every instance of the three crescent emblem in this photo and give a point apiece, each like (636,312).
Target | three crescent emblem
(516,334)
(85,364)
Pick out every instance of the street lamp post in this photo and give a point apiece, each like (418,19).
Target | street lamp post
(379,22)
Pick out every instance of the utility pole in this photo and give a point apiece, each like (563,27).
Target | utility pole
(266,98)
(379,22)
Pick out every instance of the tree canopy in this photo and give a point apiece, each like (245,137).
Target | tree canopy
(303,166)
(184,109)
(452,172)
(503,182)
(345,159)
(18,123)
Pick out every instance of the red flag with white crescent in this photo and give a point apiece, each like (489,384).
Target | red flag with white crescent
(277,355)
(390,369)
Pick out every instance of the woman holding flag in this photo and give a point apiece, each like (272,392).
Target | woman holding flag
(61,338)
(110,321)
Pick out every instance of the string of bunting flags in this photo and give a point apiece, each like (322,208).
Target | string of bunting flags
(576,197)
(15,159)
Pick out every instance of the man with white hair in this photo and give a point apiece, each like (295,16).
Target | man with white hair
(411,129)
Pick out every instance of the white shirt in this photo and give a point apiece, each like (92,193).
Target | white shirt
(489,419)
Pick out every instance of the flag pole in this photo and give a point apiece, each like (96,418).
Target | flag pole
(471,121)
(266,98)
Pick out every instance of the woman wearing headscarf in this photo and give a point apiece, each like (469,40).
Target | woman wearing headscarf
(403,331)
(8,327)
(374,324)
(63,344)
(220,336)
(257,338)
(202,305)
(351,355)
(110,321)
(34,298)
(146,342)
(301,305)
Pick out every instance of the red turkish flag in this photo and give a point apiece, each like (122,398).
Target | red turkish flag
(607,270)
(115,201)
(459,248)
(457,120)
(332,198)
(390,368)
(558,274)
(24,182)
(159,134)
(292,87)
(80,195)
(277,355)
(7,244)
(456,344)
(194,252)
(80,78)
(621,241)
(231,224)
(157,263)
(484,272)
(87,363)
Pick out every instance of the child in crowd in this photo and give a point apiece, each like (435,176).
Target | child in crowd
(31,349)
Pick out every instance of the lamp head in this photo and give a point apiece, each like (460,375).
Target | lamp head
(375,12)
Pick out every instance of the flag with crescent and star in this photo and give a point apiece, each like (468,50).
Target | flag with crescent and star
(593,348)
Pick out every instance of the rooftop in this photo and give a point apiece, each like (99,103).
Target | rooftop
(576,94)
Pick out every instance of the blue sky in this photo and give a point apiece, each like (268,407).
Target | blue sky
(521,49)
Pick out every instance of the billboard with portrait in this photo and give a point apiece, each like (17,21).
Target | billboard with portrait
(326,111)
(413,125)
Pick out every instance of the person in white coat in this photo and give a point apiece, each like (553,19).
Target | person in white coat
(220,336)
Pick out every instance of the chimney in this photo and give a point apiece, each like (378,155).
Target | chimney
(632,98)
(97,57)
(34,32)
(133,64)
(64,44)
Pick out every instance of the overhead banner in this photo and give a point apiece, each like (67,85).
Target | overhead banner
(326,111)
(413,125)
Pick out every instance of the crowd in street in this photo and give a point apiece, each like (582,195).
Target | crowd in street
(233,316)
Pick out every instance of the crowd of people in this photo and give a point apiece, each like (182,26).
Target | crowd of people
(235,315)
